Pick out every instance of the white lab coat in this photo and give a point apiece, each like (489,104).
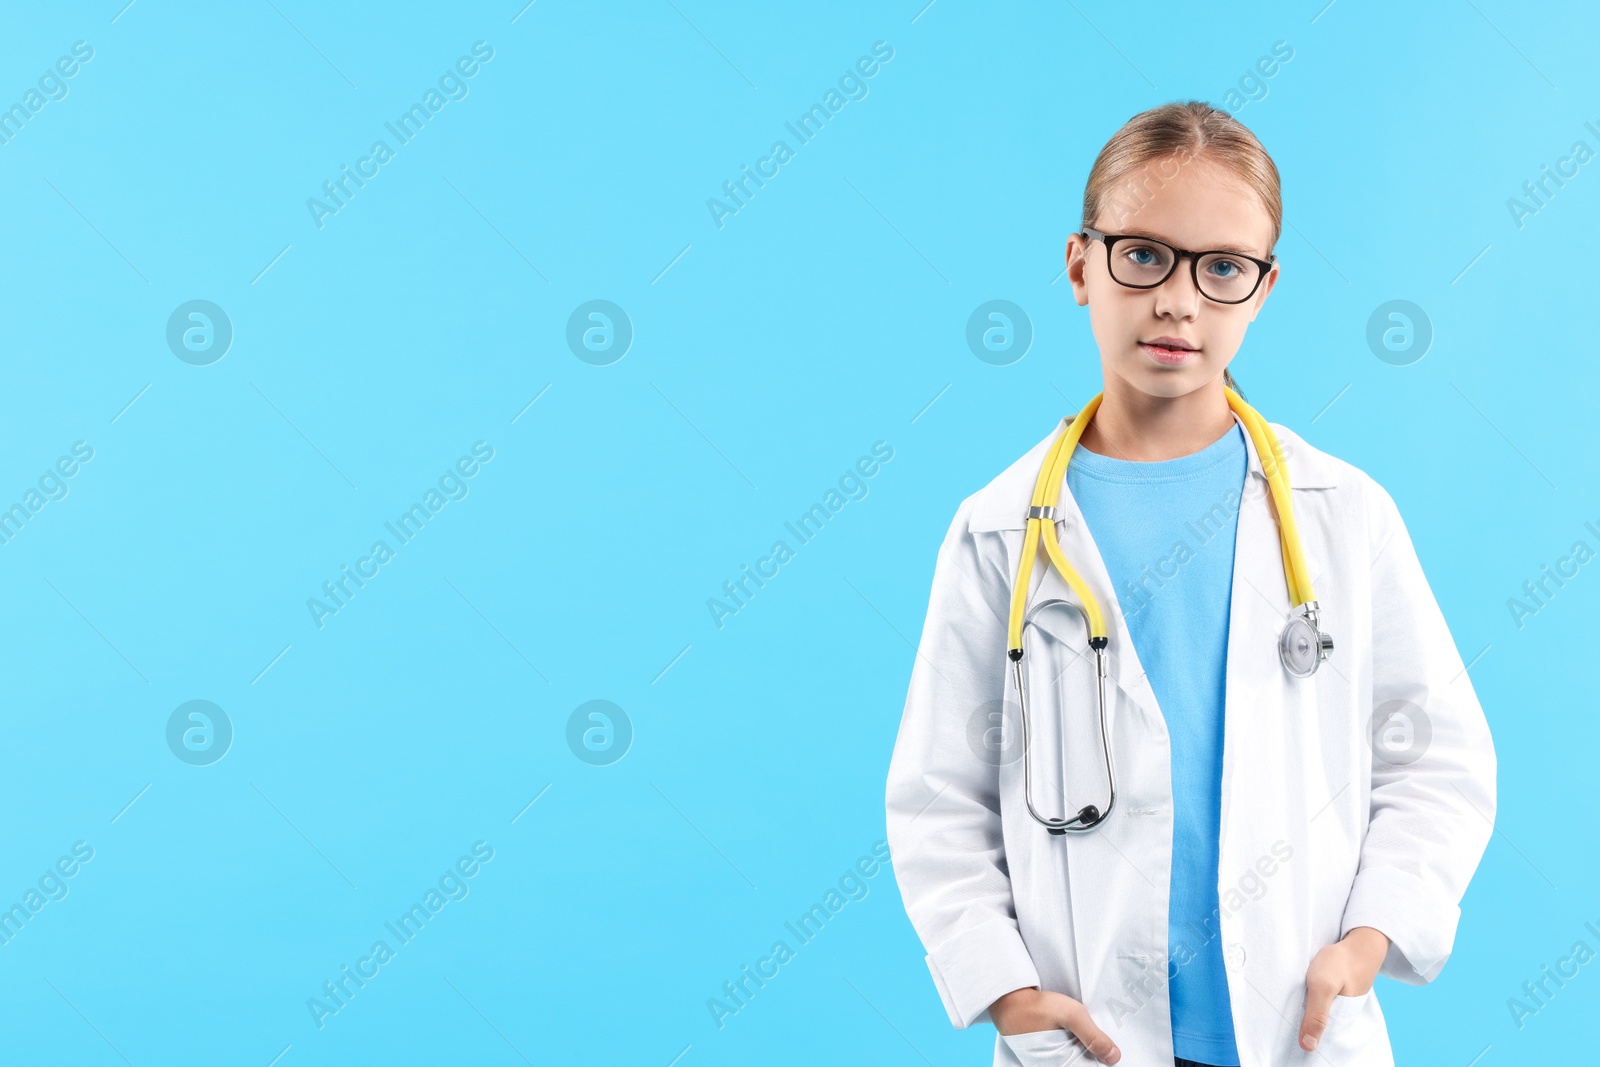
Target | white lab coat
(1321,830)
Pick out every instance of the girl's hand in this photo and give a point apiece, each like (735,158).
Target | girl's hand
(1023,1011)
(1348,969)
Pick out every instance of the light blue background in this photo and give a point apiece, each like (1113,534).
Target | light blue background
(768,355)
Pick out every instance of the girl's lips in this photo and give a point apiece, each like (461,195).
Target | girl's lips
(1169,356)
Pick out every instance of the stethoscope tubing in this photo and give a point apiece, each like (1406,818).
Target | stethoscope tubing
(1089,816)
(1040,528)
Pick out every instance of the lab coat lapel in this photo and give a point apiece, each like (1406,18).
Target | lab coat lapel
(1079,548)
(1258,610)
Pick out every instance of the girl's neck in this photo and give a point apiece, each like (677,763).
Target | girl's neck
(1133,425)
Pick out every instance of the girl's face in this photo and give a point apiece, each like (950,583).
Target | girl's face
(1205,206)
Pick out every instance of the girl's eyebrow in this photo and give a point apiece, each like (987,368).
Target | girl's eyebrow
(1236,250)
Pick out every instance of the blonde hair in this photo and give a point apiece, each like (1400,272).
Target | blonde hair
(1178,133)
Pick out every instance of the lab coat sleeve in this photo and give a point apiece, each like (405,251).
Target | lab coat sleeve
(943,804)
(1433,791)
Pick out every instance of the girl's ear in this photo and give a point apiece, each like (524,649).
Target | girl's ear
(1266,287)
(1077,261)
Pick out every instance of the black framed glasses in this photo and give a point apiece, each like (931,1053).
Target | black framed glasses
(1140,262)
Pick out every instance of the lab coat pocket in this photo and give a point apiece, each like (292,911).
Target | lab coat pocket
(1044,1048)
(1347,1038)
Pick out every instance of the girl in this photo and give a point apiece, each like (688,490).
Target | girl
(1272,821)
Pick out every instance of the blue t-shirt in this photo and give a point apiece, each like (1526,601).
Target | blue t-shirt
(1166,531)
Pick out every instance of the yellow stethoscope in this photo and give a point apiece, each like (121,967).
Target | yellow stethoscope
(1302,647)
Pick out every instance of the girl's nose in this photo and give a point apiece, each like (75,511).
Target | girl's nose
(1177,296)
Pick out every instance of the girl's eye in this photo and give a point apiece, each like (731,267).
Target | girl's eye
(1144,257)
(1226,268)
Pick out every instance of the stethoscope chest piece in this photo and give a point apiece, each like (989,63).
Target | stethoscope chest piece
(1303,646)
